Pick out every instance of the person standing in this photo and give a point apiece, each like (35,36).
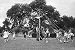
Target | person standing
(6,35)
(70,35)
(66,36)
(14,35)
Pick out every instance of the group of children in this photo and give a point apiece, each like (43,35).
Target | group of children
(6,34)
(64,36)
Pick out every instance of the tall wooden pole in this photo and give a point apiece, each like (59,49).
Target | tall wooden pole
(39,28)
(38,35)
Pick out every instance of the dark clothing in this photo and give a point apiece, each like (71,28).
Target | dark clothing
(41,35)
(24,36)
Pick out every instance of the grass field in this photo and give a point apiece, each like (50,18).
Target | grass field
(31,44)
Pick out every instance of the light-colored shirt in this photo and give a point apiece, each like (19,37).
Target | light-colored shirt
(6,34)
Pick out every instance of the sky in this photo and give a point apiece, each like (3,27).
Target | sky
(65,7)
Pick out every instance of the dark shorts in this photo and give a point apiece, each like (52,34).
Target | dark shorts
(72,37)
(42,35)
(6,38)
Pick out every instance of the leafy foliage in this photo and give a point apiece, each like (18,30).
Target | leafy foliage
(66,22)
(18,12)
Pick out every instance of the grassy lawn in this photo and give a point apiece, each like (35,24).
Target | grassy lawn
(32,44)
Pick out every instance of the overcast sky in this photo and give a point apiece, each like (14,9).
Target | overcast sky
(65,7)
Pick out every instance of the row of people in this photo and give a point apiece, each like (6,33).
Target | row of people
(64,36)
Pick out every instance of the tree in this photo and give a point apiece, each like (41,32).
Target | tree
(18,12)
(37,11)
(73,23)
(66,22)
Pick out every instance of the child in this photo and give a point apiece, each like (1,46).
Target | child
(66,35)
(5,35)
(14,35)
(71,35)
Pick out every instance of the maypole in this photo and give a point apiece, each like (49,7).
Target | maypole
(39,28)
(38,17)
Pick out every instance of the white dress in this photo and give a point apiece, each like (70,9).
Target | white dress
(6,34)
(71,34)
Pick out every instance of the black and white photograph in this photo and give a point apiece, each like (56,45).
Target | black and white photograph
(37,24)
